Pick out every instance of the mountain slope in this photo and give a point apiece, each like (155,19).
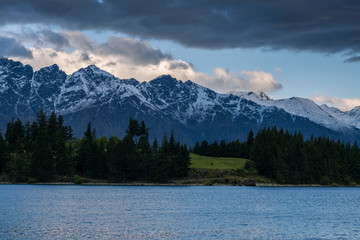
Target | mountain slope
(192,111)
(351,117)
(305,108)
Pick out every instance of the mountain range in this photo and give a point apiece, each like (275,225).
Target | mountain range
(192,111)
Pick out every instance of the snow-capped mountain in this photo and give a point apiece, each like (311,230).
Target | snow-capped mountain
(192,111)
(351,117)
(331,118)
(257,97)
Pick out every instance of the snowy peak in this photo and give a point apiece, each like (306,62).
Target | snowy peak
(93,70)
(257,96)
(131,81)
(15,85)
(309,109)
(52,68)
(298,106)
(164,80)
(14,74)
(49,75)
(92,74)
(351,118)
(261,95)
(335,112)
(355,110)
(84,88)
(45,87)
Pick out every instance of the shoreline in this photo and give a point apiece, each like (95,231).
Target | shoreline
(141,184)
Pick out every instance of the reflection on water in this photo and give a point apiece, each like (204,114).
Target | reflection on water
(125,212)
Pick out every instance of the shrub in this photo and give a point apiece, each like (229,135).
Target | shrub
(352,184)
(78,179)
(324,181)
(207,183)
(32,180)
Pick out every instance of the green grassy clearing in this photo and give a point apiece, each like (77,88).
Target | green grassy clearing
(198,161)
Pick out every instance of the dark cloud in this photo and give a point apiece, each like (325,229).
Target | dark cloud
(138,52)
(40,38)
(110,64)
(78,40)
(128,49)
(330,26)
(9,47)
(352,59)
(52,55)
(85,57)
(55,39)
(179,65)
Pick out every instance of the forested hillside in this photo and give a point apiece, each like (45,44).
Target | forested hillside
(46,148)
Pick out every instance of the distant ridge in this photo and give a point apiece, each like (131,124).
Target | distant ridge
(165,103)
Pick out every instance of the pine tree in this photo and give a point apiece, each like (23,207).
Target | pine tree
(17,164)
(182,163)
(143,152)
(204,148)
(63,149)
(133,130)
(196,148)
(133,170)
(42,158)
(102,158)
(160,164)
(88,153)
(15,136)
(155,146)
(2,153)
(116,160)
(222,149)
(249,142)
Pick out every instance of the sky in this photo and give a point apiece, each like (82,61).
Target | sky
(297,48)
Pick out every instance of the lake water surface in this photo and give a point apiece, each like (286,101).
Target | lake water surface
(131,212)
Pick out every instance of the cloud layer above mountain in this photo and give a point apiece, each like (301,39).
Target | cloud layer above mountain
(328,27)
(128,57)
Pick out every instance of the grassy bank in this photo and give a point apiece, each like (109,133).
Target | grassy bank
(204,162)
(221,171)
(203,171)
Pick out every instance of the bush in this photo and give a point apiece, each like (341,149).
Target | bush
(324,181)
(334,185)
(32,180)
(78,179)
(352,184)
(207,183)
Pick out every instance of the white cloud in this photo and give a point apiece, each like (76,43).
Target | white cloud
(130,58)
(223,80)
(344,104)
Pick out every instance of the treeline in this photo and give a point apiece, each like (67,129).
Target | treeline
(288,158)
(45,149)
(231,149)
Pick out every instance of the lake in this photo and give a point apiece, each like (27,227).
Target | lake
(151,212)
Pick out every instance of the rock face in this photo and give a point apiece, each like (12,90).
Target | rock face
(193,112)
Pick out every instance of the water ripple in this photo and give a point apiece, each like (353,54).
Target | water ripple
(116,212)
